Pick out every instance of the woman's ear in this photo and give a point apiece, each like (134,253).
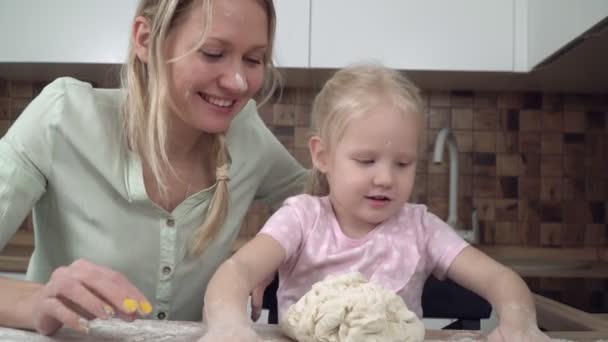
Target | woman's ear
(318,153)
(141,38)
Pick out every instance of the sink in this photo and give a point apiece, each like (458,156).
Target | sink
(532,265)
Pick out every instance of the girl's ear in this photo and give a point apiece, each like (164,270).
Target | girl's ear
(318,153)
(141,38)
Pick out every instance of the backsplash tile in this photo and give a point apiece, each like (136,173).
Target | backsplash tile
(21,90)
(5,109)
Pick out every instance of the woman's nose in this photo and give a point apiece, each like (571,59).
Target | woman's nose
(234,80)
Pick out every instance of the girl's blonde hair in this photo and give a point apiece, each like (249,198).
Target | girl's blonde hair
(148,103)
(351,93)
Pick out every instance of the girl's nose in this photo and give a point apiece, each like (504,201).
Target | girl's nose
(383,176)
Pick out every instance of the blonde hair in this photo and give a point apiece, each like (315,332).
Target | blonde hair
(351,93)
(148,102)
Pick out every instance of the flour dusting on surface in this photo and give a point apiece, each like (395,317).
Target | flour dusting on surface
(164,331)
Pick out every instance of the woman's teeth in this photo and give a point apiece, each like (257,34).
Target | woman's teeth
(218,102)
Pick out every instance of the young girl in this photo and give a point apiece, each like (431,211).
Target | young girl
(356,217)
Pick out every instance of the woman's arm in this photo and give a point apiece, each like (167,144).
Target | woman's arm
(15,309)
(228,289)
(504,289)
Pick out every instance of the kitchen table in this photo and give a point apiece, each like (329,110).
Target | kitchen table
(174,331)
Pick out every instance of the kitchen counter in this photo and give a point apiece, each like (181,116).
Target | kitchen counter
(149,330)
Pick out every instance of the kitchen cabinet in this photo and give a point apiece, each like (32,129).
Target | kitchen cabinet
(293,34)
(466,35)
(553,24)
(97,32)
(65,31)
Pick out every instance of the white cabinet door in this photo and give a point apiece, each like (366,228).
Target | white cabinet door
(85,31)
(552,24)
(414,34)
(65,31)
(292,34)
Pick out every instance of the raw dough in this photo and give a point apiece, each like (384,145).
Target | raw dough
(348,308)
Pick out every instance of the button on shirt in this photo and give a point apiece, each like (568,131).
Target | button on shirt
(66,158)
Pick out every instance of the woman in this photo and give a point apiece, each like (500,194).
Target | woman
(139,193)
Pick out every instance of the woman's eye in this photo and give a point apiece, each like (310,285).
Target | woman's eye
(254,60)
(212,55)
(365,161)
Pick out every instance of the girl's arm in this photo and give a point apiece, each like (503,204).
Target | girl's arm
(230,286)
(504,289)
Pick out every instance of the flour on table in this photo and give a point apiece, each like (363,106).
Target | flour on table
(119,331)
(348,308)
(138,331)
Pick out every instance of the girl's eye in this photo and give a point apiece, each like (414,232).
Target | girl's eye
(365,161)
(402,164)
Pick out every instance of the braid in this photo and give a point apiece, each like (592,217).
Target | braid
(218,208)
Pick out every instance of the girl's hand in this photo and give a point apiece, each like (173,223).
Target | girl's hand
(231,333)
(83,291)
(257,298)
(518,324)
(505,334)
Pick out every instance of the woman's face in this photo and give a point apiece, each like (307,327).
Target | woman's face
(211,85)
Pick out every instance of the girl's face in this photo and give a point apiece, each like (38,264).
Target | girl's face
(372,168)
(211,85)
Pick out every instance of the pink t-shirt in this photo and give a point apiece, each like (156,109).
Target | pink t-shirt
(399,254)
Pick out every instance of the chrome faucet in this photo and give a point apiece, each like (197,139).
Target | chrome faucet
(447,136)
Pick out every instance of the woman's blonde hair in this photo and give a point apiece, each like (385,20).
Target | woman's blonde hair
(148,102)
(351,93)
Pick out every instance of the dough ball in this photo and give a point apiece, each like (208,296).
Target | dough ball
(348,308)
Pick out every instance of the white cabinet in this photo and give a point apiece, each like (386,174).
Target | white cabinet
(86,31)
(292,34)
(65,31)
(552,24)
(436,35)
(468,35)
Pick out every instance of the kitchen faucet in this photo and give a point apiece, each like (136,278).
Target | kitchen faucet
(447,136)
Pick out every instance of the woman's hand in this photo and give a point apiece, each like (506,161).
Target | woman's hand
(83,291)
(231,333)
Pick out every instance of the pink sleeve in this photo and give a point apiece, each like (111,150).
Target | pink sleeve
(442,244)
(285,227)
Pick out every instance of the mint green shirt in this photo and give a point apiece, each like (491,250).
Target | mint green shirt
(66,158)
